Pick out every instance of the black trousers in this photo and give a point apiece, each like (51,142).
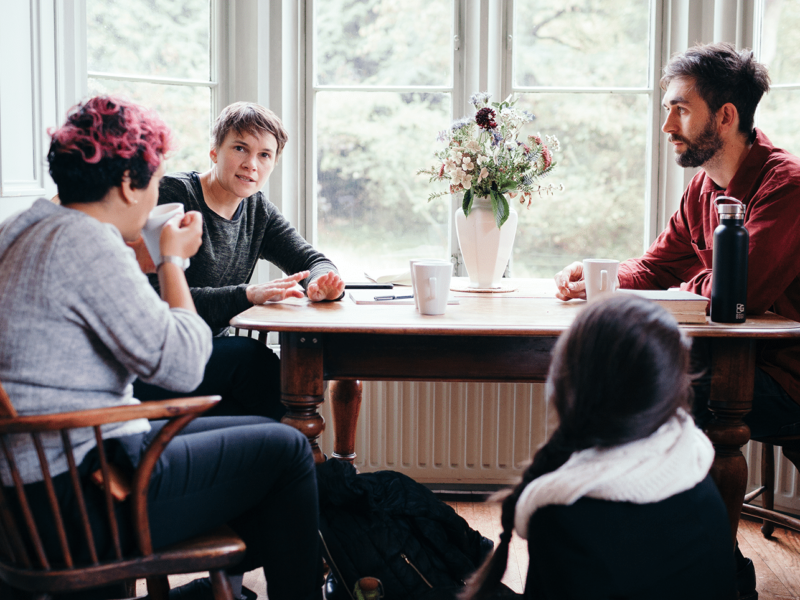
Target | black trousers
(243,371)
(774,413)
(250,472)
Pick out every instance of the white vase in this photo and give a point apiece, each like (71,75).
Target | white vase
(485,248)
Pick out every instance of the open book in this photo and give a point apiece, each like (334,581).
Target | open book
(686,307)
(398,277)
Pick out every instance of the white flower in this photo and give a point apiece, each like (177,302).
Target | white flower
(472,145)
(483,159)
(554,143)
(467,183)
(467,165)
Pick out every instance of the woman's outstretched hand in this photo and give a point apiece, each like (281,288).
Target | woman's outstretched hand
(276,290)
(328,287)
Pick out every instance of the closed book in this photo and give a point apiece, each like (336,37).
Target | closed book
(686,307)
(387,297)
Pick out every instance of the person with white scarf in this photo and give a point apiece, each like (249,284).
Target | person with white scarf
(618,503)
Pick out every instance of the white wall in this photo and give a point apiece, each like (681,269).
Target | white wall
(37,84)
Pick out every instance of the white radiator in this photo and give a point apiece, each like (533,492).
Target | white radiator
(477,433)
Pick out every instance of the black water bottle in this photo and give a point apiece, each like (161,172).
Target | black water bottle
(729,267)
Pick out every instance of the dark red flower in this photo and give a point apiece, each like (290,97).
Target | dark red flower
(485,118)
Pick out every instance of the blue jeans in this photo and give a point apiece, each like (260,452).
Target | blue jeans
(256,475)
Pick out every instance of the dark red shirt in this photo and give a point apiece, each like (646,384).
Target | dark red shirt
(768,182)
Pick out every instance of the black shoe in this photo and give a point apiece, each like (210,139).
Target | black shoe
(197,589)
(200,589)
(746,581)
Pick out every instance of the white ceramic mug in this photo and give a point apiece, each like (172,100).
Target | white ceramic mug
(151,232)
(432,285)
(600,275)
(411,264)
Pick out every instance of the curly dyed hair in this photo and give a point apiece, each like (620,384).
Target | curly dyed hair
(105,137)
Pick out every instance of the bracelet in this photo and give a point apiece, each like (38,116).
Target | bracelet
(183,263)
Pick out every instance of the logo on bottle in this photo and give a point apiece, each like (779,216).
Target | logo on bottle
(740,311)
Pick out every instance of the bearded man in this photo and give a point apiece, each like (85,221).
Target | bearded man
(712,92)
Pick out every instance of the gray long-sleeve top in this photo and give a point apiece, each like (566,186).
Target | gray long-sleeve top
(78,322)
(219,272)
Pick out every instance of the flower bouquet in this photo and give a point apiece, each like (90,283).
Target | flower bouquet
(484,158)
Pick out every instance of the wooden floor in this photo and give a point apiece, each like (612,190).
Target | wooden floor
(777,560)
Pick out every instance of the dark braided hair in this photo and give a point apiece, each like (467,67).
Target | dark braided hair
(617,375)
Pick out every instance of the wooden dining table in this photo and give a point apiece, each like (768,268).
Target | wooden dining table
(485,337)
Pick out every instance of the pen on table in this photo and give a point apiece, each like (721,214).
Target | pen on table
(393,297)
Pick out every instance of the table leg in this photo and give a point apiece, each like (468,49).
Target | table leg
(302,385)
(732,377)
(345,408)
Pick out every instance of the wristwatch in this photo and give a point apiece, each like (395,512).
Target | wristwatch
(183,263)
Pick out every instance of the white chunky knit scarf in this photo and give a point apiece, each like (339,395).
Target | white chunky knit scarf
(675,458)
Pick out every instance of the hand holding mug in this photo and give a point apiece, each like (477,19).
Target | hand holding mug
(570,282)
(182,235)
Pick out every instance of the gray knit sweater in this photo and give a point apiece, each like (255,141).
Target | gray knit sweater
(78,323)
(220,270)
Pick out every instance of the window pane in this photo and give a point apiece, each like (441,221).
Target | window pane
(383,42)
(186,110)
(779,118)
(160,38)
(373,210)
(781,39)
(585,43)
(602,166)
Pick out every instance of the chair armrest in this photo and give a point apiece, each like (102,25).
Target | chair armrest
(161,409)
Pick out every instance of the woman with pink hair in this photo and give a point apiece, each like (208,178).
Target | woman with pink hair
(80,322)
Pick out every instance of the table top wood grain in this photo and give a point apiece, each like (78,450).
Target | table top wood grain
(531,310)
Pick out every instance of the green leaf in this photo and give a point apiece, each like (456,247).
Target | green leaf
(500,208)
(466,204)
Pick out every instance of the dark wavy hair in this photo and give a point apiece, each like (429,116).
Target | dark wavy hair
(104,137)
(617,375)
(722,75)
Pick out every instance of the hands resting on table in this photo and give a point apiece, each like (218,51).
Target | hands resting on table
(328,287)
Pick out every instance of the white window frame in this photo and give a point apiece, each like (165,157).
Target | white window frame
(482,32)
(262,55)
(218,37)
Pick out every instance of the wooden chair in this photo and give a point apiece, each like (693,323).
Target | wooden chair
(766,512)
(24,564)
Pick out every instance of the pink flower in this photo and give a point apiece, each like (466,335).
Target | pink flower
(548,158)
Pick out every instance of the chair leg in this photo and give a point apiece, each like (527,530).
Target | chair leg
(221,586)
(768,481)
(157,588)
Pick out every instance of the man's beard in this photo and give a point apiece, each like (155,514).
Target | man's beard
(701,149)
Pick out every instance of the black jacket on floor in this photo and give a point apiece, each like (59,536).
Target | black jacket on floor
(386,525)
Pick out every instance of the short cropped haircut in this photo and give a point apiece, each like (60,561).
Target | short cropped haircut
(104,137)
(248,117)
(722,75)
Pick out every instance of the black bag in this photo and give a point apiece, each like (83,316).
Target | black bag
(388,526)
